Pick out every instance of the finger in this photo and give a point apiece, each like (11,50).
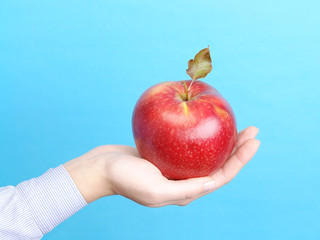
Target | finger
(244,135)
(181,190)
(240,158)
(187,200)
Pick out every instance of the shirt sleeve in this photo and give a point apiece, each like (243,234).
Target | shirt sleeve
(36,206)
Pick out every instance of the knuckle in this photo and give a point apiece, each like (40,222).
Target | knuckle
(226,177)
(188,195)
(240,154)
(227,180)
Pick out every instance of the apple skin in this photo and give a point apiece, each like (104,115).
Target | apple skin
(184,139)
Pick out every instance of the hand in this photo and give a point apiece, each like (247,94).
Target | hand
(116,169)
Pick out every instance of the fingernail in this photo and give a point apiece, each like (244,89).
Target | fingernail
(209,186)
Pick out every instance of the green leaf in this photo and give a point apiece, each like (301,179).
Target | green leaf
(200,66)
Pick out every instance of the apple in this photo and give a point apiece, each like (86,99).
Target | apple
(185,128)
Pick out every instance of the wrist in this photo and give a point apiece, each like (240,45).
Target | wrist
(88,172)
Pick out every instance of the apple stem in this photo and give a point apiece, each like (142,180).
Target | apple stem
(186,91)
(190,84)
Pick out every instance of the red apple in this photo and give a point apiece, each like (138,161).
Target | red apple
(184,138)
(186,130)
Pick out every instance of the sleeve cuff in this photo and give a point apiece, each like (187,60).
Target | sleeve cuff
(52,198)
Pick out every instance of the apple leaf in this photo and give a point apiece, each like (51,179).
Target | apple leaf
(200,66)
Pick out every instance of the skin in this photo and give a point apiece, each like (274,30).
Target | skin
(117,169)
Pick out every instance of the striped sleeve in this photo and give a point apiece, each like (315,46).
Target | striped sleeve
(35,207)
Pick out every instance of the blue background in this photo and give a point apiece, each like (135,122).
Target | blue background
(71,72)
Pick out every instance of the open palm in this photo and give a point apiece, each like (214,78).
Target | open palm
(139,180)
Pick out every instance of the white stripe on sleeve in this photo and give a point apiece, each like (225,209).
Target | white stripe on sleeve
(36,206)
